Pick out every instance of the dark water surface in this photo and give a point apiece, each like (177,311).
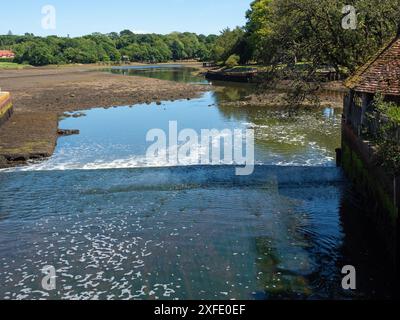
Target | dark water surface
(118,226)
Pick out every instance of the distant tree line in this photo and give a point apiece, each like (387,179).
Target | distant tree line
(113,47)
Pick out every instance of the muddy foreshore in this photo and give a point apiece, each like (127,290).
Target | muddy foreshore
(42,95)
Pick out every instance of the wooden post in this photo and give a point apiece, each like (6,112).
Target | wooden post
(349,105)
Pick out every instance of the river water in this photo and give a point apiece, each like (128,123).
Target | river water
(116,225)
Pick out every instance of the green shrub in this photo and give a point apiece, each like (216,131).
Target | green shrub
(390,109)
(232,61)
(7,60)
(388,148)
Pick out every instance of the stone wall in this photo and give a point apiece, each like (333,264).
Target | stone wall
(380,190)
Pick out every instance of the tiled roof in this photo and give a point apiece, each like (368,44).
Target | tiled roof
(381,74)
(6,53)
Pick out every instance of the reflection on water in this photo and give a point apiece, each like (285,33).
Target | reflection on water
(231,92)
(140,230)
(163,72)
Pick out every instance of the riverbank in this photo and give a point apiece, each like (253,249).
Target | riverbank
(45,94)
(27,136)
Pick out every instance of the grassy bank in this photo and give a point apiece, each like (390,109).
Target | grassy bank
(12,65)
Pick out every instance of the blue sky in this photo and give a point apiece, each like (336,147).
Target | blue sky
(79,17)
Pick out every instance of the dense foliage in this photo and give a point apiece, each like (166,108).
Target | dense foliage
(290,31)
(232,61)
(230,42)
(383,128)
(98,47)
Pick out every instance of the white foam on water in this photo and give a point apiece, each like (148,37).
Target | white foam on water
(95,156)
(74,159)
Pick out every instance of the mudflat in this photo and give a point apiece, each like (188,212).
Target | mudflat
(41,95)
(83,87)
(27,135)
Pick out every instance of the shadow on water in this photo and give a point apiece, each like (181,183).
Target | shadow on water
(364,249)
(333,239)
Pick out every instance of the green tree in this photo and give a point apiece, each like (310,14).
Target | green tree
(109,47)
(34,53)
(287,31)
(227,44)
(178,50)
(232,61)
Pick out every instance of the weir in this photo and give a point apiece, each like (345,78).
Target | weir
(289,223)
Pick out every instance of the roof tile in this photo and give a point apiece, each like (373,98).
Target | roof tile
(381,74)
